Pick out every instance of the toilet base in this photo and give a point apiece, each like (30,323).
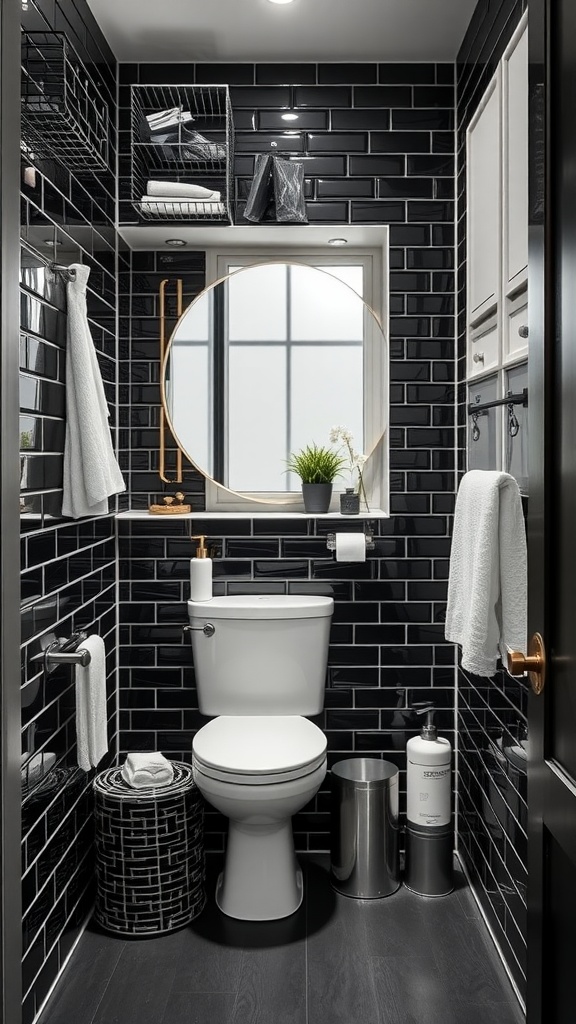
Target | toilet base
(261,880)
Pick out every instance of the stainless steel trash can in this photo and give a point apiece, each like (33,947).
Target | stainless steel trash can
(364,825)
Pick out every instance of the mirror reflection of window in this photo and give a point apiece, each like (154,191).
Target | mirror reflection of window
(297,367)
(189,381)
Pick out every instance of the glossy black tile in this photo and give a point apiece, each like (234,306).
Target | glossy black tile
(358,119)
(323,96)
(222,74)
(270,120)
(256,97)
(425,120)
(377,211)
(400,142)
(406,188)
(286,74)
(345,188)
(337,142)
(376,165)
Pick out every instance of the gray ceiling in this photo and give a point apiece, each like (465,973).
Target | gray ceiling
(306,30)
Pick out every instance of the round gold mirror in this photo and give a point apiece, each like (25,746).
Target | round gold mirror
(266,361)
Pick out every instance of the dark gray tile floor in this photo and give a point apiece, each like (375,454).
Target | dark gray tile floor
(402,960)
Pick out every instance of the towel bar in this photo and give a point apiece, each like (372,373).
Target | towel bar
(60,651)
(66,271)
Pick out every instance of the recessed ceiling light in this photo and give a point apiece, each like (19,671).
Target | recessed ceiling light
(176,242)
(280,1)
(337,241)
(289,117)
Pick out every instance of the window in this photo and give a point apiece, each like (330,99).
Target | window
(281,375)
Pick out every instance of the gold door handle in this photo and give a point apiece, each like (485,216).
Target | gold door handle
(534,663)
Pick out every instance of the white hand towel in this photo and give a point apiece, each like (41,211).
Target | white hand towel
(141,770)
(487,586)
(91,719)
(181,190)
(91,472)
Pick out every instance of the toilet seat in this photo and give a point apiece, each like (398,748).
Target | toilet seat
(259,749)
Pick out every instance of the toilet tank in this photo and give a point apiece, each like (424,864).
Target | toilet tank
(267,655)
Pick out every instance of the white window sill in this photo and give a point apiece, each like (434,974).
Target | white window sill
(375,513)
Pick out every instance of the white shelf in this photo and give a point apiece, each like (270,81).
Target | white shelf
(140,514)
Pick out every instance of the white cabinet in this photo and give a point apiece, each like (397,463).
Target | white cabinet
(515,162)
(497,264)
(484,346)
(484,203)
(497,213)
(515,340)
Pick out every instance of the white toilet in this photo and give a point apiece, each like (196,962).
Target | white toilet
(261,668)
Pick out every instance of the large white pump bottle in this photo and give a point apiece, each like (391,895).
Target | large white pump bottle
(429,841)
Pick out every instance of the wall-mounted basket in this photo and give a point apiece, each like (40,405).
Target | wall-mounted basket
(199,150)
(64,116)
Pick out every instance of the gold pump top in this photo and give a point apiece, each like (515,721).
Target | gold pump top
(201,551)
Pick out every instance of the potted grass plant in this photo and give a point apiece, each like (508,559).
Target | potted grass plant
(317,468)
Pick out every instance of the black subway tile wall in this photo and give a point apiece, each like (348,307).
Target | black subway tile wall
(387,647)
(68,568)
(492,724)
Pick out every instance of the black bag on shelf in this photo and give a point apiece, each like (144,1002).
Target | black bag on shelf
(261,188)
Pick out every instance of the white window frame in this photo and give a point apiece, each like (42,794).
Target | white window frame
(376,371)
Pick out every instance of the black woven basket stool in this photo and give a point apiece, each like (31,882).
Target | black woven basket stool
(149,854)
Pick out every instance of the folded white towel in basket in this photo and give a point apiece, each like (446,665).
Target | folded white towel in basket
(160,206)
(141,770)
(487,586)
(181,190)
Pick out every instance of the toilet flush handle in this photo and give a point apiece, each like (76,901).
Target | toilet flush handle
(208,629)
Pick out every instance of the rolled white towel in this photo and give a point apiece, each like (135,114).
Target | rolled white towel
(163,119)
(181,190)
(142,770)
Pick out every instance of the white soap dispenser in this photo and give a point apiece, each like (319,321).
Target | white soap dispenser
(429,838)
(201,572)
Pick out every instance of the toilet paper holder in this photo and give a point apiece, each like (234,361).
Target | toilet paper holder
(331,541)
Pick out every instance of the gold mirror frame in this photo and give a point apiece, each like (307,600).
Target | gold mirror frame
(166,418)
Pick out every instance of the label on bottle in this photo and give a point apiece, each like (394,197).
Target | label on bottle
(429,794)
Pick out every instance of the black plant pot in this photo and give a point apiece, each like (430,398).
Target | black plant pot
(316,497)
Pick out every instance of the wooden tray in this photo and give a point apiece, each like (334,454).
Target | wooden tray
(169,510)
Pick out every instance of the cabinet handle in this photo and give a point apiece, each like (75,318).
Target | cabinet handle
(478,357)
(523,331)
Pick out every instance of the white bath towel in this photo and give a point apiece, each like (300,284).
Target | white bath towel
(487,587)
(91,719)
(181,190)
(169,207)
(91,472)
(141,770)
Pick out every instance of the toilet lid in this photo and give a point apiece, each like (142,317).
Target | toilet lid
(259,744)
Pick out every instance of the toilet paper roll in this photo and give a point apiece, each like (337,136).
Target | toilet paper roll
(350,547)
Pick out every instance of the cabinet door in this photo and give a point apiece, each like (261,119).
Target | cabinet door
(484,203)
(515,170)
